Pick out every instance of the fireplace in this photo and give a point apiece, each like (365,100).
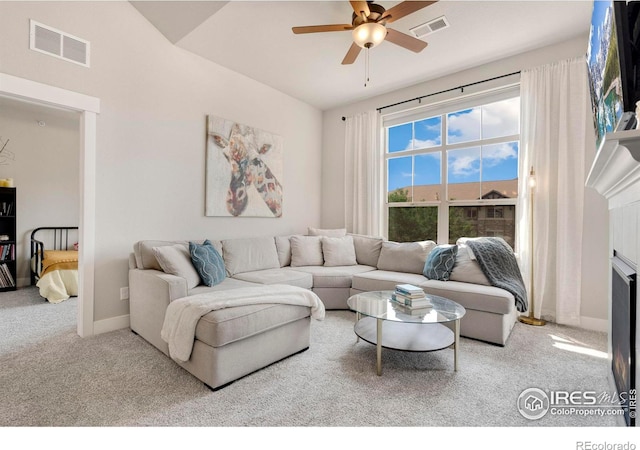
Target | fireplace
(623,331)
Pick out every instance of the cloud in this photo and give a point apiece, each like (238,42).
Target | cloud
(464,126)
(493,155)
(427,143)
(464,162)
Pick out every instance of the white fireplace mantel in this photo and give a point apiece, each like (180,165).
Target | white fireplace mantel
(615,172)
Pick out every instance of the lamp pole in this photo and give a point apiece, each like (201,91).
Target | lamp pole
(530,319)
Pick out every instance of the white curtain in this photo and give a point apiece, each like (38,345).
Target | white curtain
(555,116)
(362,174)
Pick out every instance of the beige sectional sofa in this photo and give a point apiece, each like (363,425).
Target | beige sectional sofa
(233,342)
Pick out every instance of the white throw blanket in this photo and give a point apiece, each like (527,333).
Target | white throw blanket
(183,314)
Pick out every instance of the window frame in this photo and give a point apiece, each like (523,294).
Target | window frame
(442,109)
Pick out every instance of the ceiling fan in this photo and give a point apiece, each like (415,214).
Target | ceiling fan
(369,24)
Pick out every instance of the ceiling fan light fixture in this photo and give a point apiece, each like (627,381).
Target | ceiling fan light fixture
(369,34)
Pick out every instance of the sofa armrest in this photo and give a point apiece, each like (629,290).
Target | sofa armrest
(150,292)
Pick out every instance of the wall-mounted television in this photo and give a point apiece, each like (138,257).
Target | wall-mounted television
(612,60)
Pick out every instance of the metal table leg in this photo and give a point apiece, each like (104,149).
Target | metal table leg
(456,343)
(379,347)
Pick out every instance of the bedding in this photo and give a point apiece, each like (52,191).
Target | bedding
(58,279)
(54,262)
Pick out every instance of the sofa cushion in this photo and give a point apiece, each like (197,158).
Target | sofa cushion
(338,251)
(440,262)
(334,277)
(383,280)
(278,276)
(227,325)
(467,270)
(473,296)
(250,254)
(306,251)
(404,257)
(283,246)
(227,284)
(367,249)
(333,232)
(145,259)
(208,263)
(176,260)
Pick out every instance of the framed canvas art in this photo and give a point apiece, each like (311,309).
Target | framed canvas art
(244,170)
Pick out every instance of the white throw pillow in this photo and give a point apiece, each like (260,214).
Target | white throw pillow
(249,254)
(339,251)
(283,245)
(335,232)
(176,260)
(467,269)
(408,257)
(306,251)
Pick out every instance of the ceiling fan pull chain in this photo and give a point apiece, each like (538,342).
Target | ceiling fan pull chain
(366,67)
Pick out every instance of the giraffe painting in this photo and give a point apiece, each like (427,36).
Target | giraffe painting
(244,170)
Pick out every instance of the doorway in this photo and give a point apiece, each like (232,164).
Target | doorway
(88,107)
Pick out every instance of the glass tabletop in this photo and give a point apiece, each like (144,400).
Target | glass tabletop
(378,304)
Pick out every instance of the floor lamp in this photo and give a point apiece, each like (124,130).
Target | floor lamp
(530,319)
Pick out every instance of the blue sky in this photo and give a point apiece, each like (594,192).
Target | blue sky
(466,164)
(599,11)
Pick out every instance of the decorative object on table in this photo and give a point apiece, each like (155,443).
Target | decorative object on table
(411,298)
(6,182)
(6,155)
(244,170)
(531,319)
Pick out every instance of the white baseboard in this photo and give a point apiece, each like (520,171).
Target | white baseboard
(111,324)
(591,323)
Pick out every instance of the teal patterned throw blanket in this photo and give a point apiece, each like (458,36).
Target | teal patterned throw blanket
(499,265)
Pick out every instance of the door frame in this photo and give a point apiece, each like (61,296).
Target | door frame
(88,107)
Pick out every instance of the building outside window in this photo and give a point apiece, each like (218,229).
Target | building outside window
(451,170)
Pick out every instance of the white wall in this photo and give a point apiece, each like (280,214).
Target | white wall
(594,300)
(45,170)
(150,159)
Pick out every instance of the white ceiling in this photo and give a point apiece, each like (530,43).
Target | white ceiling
(254,38)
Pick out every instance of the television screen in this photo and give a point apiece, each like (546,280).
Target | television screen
(605,76)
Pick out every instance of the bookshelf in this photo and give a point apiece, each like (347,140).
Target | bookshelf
(7,239)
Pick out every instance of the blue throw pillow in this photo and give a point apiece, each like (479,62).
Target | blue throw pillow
(440,262)
(207,262)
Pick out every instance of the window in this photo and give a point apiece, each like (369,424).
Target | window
(451,170)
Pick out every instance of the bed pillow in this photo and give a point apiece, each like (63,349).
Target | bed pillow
(306,251)
(338,251)
(334,232)
(440,262)
(207,262)
(175,260)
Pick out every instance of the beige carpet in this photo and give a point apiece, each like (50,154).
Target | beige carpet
(50,377)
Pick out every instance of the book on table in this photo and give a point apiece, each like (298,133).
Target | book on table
(409,291)
(411,302)
(412,311)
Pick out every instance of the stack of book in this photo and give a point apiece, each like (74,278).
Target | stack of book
(412,298)
(6,280)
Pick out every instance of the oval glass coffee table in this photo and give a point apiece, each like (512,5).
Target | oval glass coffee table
(389,325)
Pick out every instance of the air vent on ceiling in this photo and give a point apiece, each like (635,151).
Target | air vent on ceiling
(430,27)
(45,39)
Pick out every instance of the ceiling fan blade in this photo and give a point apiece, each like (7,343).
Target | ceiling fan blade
(361,9)
(406,41)
(403,9)
(322,28)
(352,54)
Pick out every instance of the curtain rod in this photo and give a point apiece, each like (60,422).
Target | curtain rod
(447,90)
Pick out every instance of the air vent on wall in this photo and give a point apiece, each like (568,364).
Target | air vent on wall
(430,27)
(59,44)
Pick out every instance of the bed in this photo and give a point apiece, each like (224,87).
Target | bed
(54,262)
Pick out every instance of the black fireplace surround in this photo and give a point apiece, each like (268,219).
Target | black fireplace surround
(623,330)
